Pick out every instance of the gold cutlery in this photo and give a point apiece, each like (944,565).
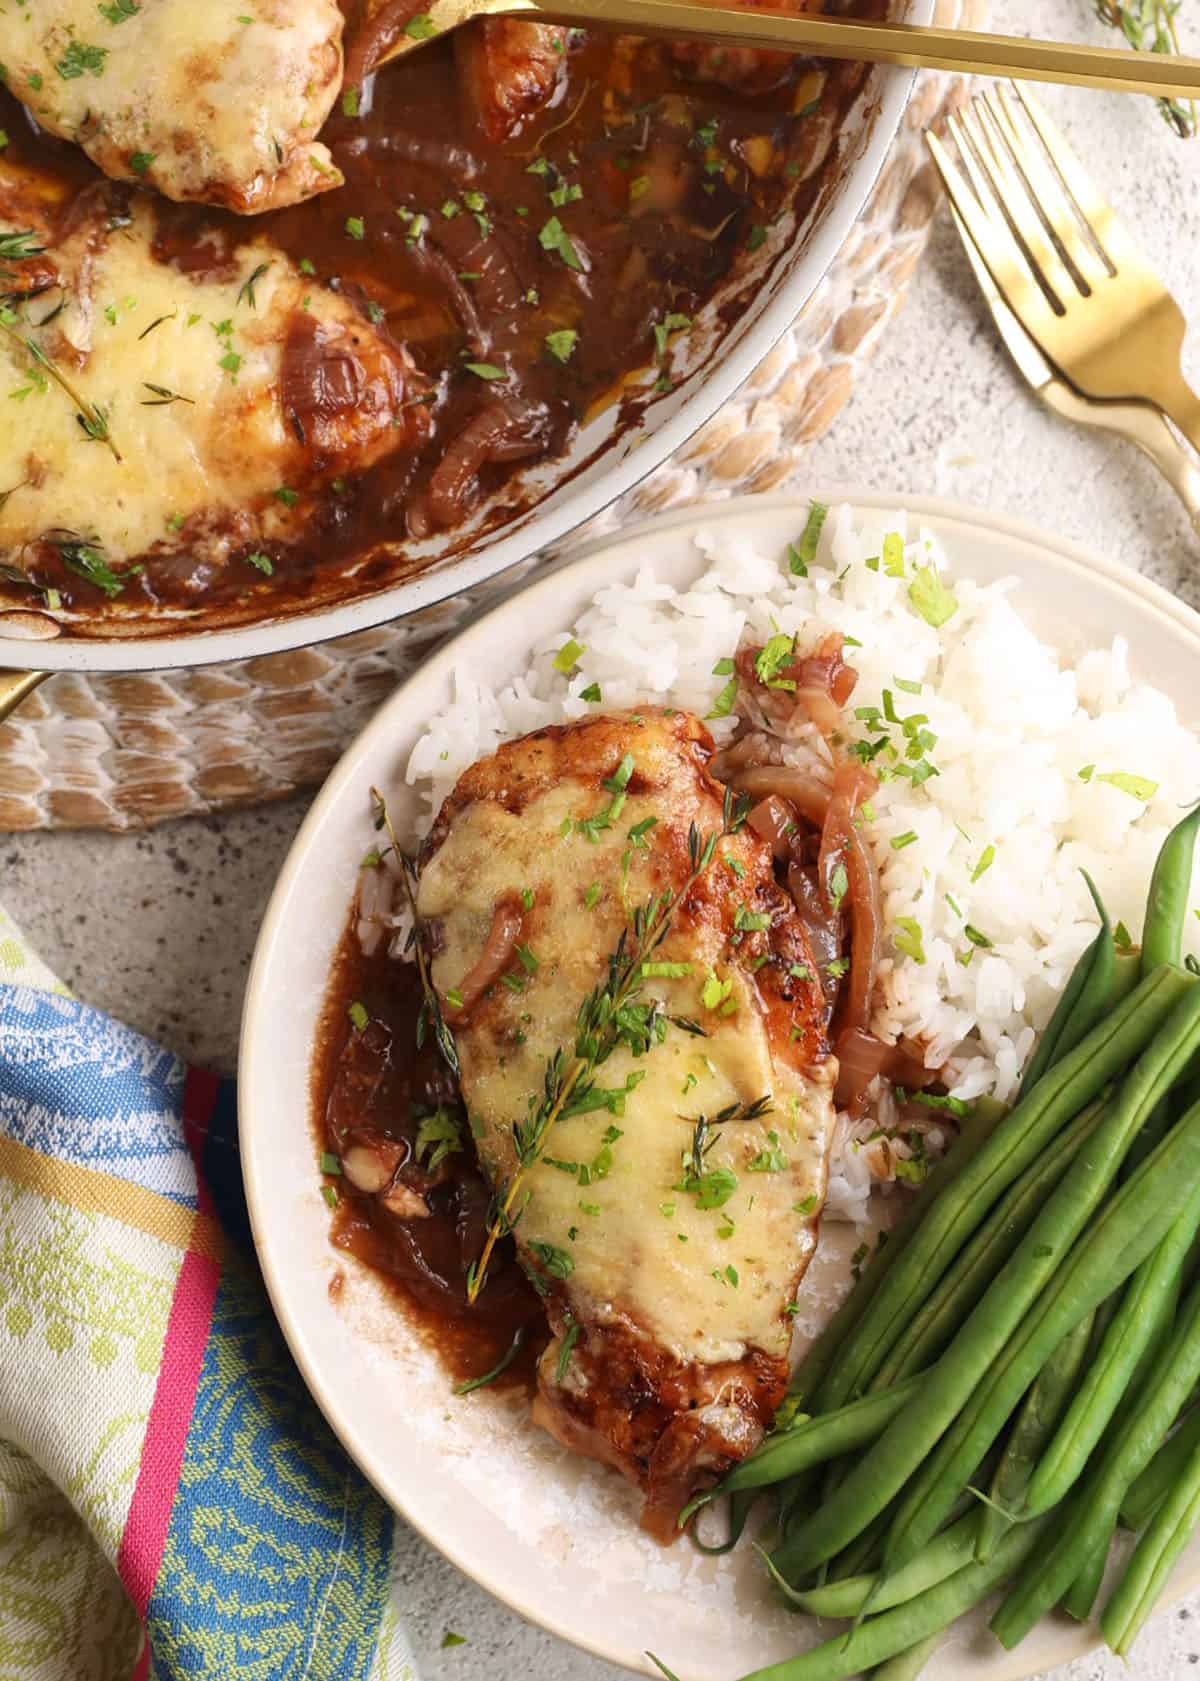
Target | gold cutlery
(1062,261)
(1137,423)
(914,46)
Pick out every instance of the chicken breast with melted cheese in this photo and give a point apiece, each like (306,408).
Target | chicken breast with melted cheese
(231,388)
(667,1227)
(201,101)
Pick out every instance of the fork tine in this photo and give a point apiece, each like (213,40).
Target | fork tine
(1109,233)
(1048,193)
(993,239)
(1016,204)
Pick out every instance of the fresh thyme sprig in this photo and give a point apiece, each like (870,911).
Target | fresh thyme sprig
(611,1015)
(1149,26)
(429,1017)
(90,416)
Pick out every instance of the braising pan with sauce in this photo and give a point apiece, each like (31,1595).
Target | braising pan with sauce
(219,416)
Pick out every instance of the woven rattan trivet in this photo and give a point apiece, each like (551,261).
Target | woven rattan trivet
(113,752)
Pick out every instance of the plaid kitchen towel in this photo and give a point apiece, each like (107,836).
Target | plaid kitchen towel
(172,1505)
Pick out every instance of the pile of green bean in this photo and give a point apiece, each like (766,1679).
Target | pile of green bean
(1016,1375)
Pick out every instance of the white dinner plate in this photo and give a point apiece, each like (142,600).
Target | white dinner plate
(553,1536)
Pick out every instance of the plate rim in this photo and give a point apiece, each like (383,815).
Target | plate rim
(439,664)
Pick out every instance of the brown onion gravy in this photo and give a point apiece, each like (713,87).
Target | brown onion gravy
(373,1077)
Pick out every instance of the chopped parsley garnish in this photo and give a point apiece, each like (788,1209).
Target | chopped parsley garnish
(770,1159)
(711,1187)
(986,859)
(931,599)
(351,102)
(724,703)
(329,1162)
(358,1015)
(356,227)
(561,343)
(140,162)
(592,692)
(330,1196)
(976,938)
(771,659)
(450,1638)
(716,994)
(899,842)
(592,897)
(752,922)
(567,657)
(285,494)
(666,971)
(672,323)
(420,28)
(839,884)
(527,898)
(554,237)
(893,555)
(527,960)
(906,937)
(119,10)
(80,58)
(1137,787)
(802,554)
(935,1100)
(261,562)
(438,1135)
(807,1206)
(485,370)
(87,560)
(757,237)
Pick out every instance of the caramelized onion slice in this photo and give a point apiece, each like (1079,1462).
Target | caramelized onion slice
(774,819)
(493,960)
(801,788)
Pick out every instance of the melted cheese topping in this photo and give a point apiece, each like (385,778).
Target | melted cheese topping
(214,101)
(220,451)
(707,1283)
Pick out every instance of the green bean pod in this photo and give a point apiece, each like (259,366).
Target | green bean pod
(1131,1449)
(1080,1597)
(814,1442)
(821,1353)
(930,1329)
(1161,1475)
(907,1666)
(1146,1573)
(1169,895)
(1020,1138)
(1012,1333)
(741,1505)
(877,1639)
(946,1553)
(1041,1411)
(913,1436)
(1144,1315)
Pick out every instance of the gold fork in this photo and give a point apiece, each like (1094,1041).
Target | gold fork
(1066,267)
(1137,423)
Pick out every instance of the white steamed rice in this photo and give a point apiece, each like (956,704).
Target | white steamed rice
(1014,726)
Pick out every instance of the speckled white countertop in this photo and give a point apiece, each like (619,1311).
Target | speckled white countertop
(159,929)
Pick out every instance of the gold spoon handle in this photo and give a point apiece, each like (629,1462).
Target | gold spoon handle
(14,686)
(907,44)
